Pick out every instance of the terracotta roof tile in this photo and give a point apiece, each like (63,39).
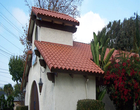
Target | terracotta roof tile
(76,57)
(116,52)
(53,14)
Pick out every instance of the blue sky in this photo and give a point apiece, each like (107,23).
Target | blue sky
(111,9)
(95,14)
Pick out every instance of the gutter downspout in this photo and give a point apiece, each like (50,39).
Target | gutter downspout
(86,85)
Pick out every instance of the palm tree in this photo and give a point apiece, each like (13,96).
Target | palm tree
(98,49)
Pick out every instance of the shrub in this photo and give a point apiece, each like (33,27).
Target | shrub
(22,108)
(90,104)
(123,81)
(7,104)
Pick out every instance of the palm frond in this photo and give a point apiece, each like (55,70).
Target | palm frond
(109,55)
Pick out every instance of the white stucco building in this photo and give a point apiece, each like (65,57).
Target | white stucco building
(64,66)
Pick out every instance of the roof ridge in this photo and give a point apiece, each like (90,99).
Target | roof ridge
(63,44)
(53,43)
(51,11)
(82,42)
(54,14)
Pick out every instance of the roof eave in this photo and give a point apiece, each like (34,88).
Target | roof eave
(74,72)
(58,19)
(31,26)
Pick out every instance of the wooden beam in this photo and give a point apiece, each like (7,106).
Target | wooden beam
(42,63)
(30,30)
(33,17)
(85,76)
(37,53)
(56,26)
(58,20)
(71,75)
(51,76)
(77,72)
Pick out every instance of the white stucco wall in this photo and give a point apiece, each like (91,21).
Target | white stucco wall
(31,76)
(62,94)
(33,38)
(55,36)
(36,71)
(69,90)
(46,98)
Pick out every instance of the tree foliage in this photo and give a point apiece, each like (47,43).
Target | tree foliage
(7,104)
(8,89)
(98,49)
(14,91)
(123,35)
(69,7)
(17,92)
(1,89)
(24,41)
(137,30)
(16,68)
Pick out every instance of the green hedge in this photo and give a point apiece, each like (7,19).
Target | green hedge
(22,108)
(90,104)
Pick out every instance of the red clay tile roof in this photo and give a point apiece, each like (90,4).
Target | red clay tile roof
(75,58)
(116,52)
(53,14)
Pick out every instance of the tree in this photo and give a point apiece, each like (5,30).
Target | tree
(24,41)
(123,81)
(69,7)
(123,35)
(1,89)
(136,42)
(6,104)
(16,68)
(17,91)
(8,89)
(137,31)
(98,49)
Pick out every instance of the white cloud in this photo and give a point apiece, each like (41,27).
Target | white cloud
(20,16)
(89,23)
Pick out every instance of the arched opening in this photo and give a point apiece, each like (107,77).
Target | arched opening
(34,103)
